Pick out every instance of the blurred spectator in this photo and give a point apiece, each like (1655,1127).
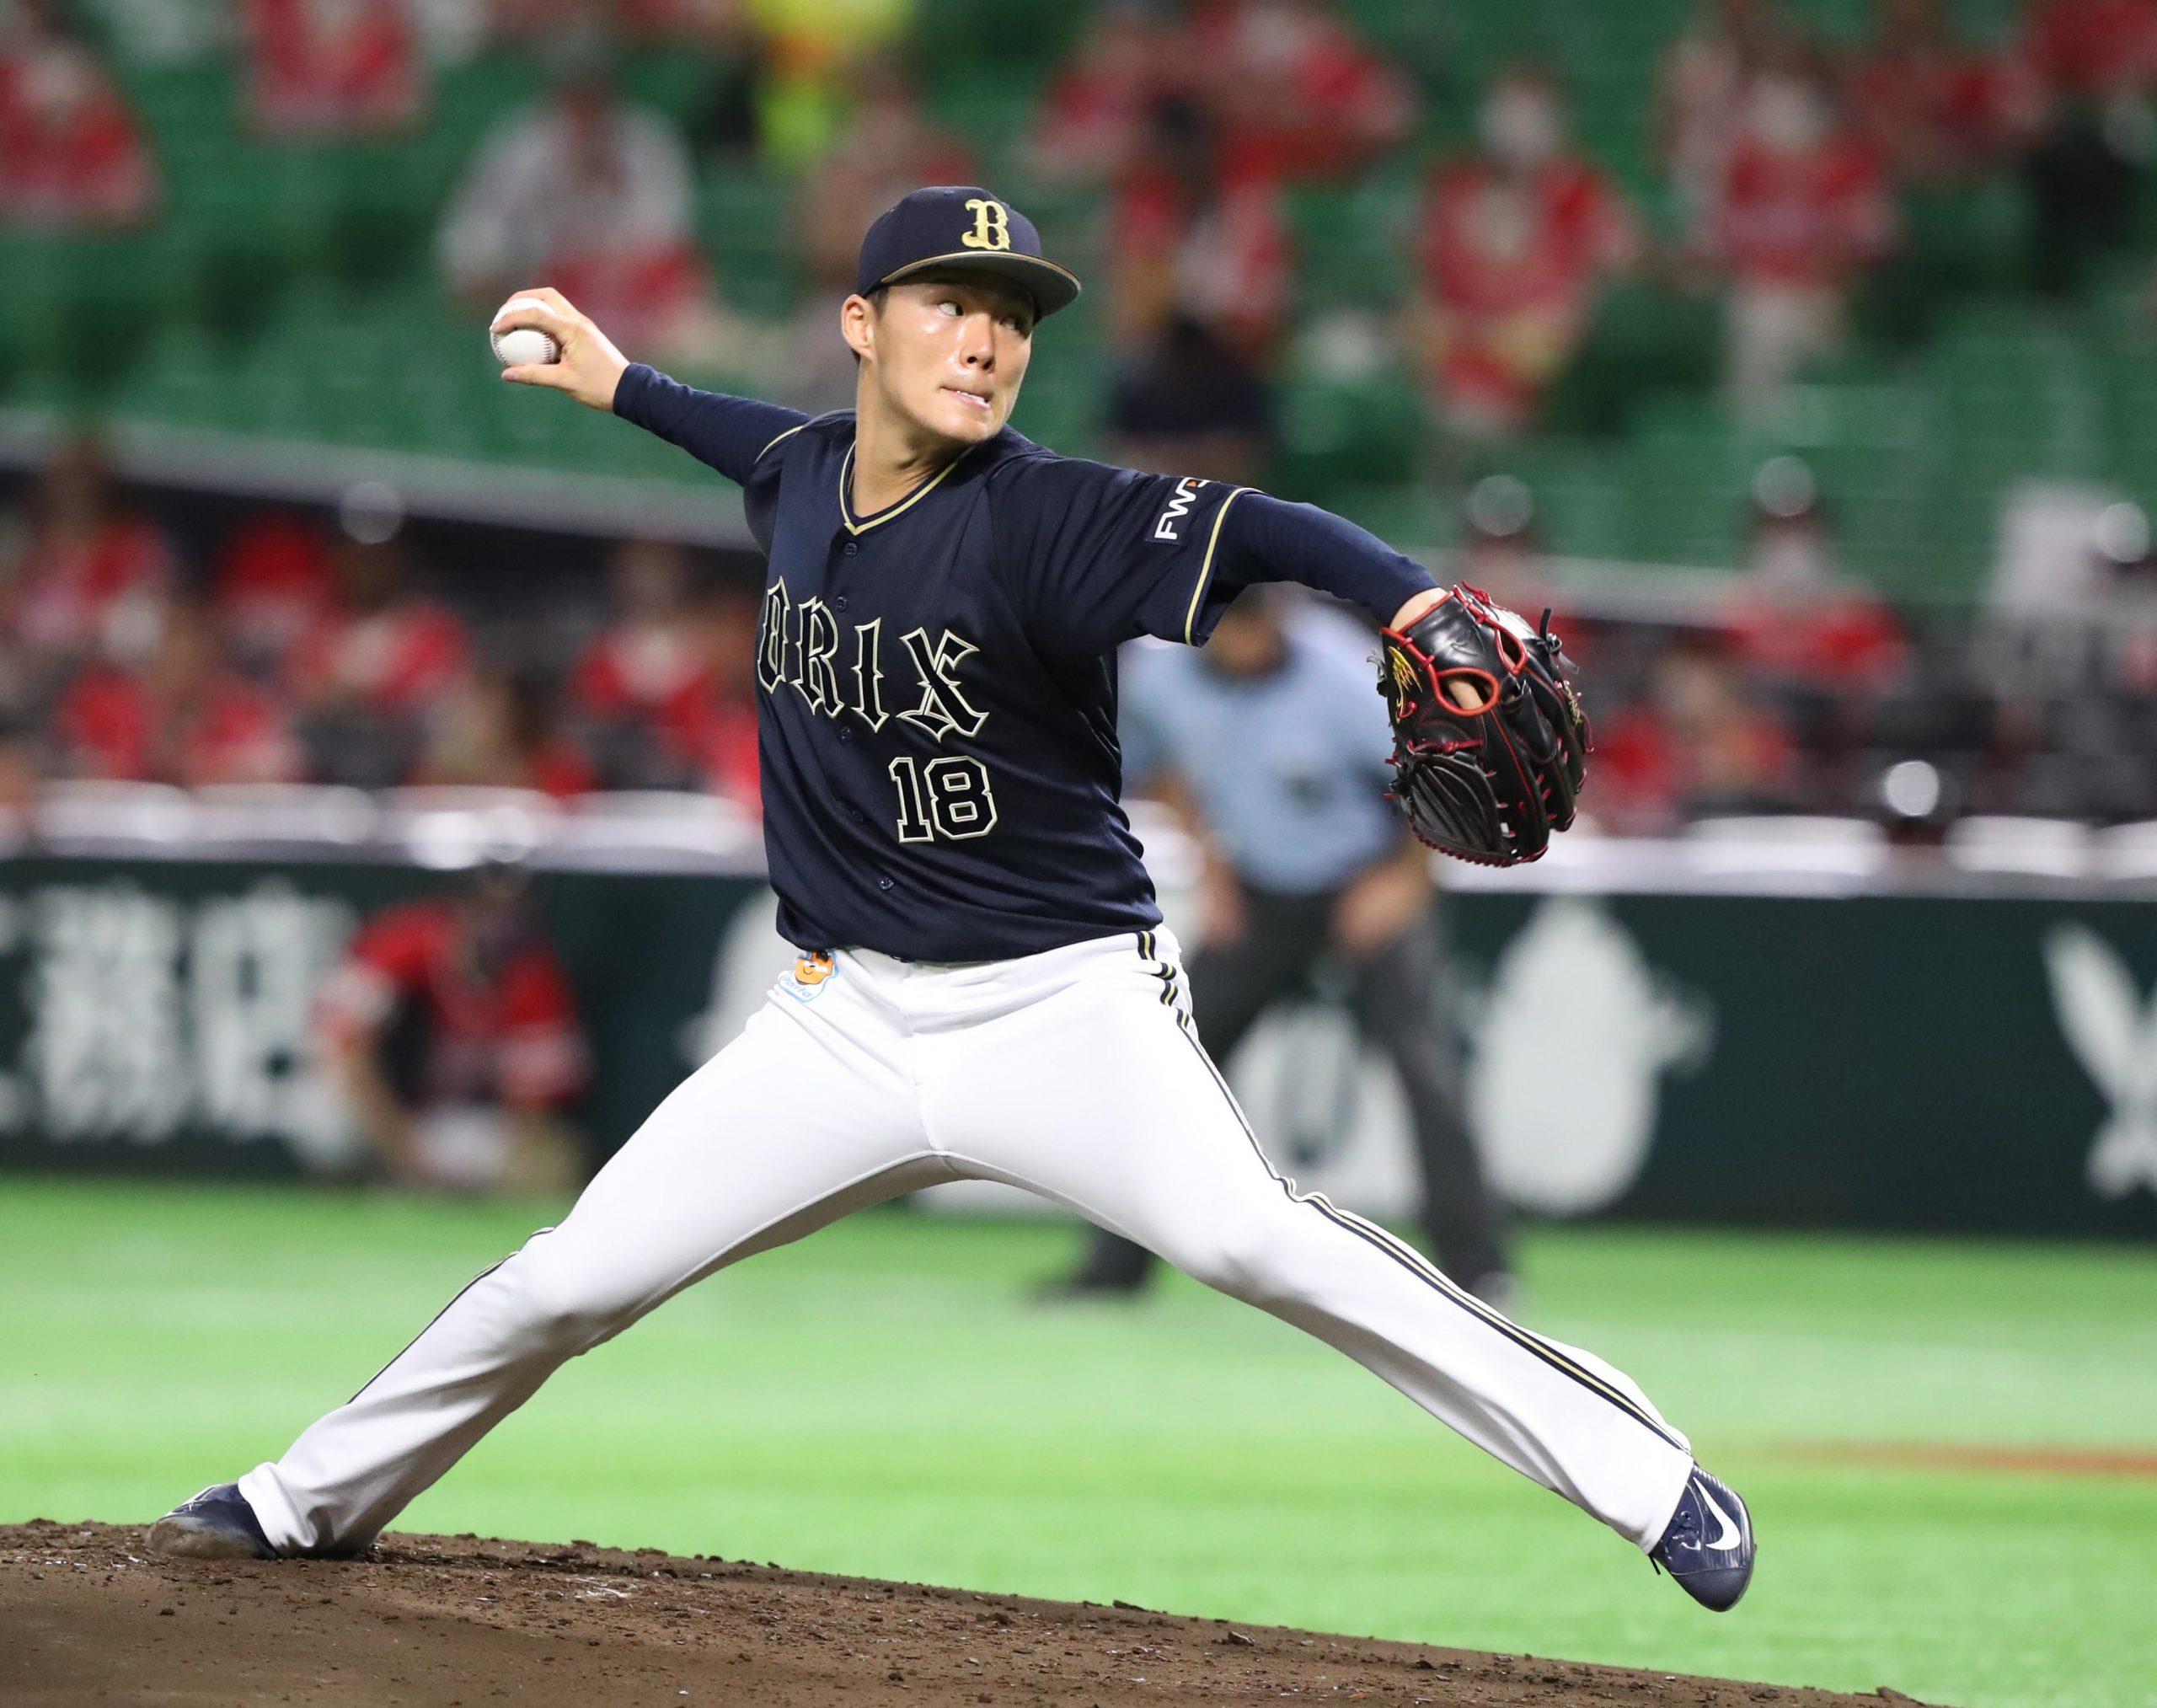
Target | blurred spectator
(90,574)
(1933,106)
(182,717)
(1699,98)
(727,116)
(1183,240)
(2096,62)
(1695,743)
(890,146)
(815,49)
(1803,208)
(1189,404)
(649,655)
(72,155)
(500,732)
(273,581)
(371,669)
(455,1041)
(1094,117)
(705,731)
(1795,618)
(20,775)
(593,196)
(333,67)
(1296,95)
(1514,242)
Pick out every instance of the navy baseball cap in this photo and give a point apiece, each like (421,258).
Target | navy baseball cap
(961,228)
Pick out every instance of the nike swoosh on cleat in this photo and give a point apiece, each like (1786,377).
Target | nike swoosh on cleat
(1730,1535)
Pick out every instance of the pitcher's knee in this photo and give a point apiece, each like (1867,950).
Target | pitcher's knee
(556,1305)
(1258,1256)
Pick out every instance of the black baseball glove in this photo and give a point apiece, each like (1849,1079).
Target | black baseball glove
(1488,741)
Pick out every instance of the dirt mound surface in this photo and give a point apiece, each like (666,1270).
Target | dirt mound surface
(456,1622)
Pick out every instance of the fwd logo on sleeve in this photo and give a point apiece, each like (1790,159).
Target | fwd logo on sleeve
(1186,495)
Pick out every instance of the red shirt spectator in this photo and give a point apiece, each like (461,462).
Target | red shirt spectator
(713,735)
(1184,239)
(1093,119)
(594,195)
(98,591)
(1803,201)
(652,651)
(1933,106)
(499,733)
(273,580)
(1296,96)
(333,67)
(378,650)
(182,719)
(1513,246)
(1695,742)
(2092,50)
(502,1023)
(90,576)
(71,154)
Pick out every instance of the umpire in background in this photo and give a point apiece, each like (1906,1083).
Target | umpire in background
(1265,744)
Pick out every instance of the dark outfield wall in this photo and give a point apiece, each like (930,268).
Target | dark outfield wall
(1888,1062)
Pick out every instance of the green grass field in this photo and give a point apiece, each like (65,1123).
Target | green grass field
(884,1399)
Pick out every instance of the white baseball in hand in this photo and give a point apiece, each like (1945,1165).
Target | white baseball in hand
(523,345)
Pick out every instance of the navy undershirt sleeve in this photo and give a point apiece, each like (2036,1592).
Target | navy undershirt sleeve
(1264,538)
(728,433)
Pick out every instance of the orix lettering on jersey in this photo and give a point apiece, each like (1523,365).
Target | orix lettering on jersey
(798,645)
(937,702)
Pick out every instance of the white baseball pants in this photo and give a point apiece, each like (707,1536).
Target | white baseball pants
(1072,1073)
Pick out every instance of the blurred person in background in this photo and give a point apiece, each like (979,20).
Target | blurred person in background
(725,122)
(272,581)
(1802,209)
(1514,244)
(1296,96)
(332,68)
(453,1039)
(1699,98)
(501,729)
(704,734)
(1182,239)
(1696,742)
(648,652)
(882,145)
(88,572)
(1099,103)
(814,50)
(664,694)
(1189,404)
(373,668)
(20,773)
(888,143)
(2096,63)
(596,194)
(1267,746)
(1936,107)
(1794,616)
(183,716)
(72,156)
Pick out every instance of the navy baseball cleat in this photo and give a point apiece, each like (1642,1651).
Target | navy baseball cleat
(216,1524)
(1708,1547)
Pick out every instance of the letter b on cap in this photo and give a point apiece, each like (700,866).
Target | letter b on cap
(992,225)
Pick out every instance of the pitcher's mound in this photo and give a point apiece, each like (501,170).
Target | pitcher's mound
(454,1622)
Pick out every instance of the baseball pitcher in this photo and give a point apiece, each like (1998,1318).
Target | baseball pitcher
(983,988)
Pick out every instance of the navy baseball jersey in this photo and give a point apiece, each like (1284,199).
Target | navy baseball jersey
(937,708)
